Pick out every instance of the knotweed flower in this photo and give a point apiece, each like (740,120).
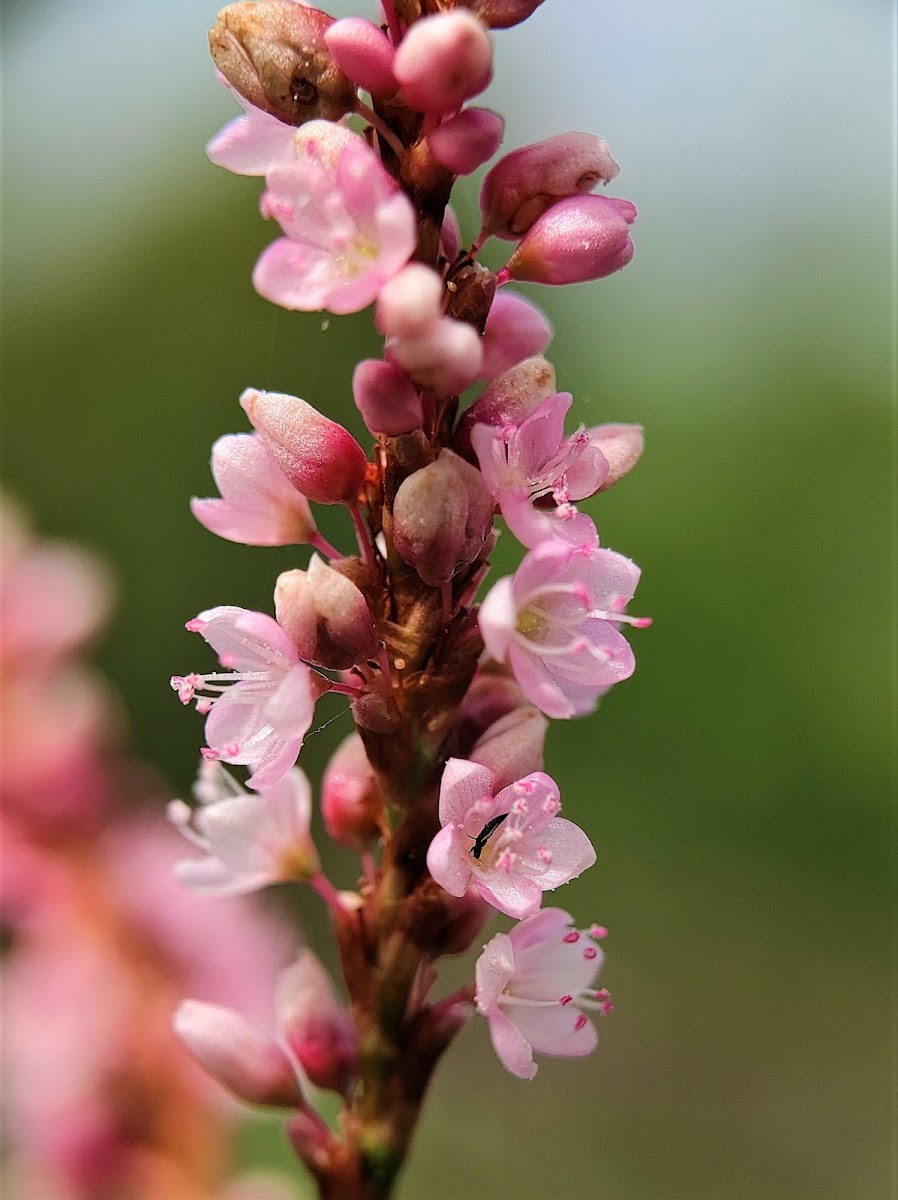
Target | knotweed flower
(532,986)
(555,623)
(510,847)
(261,706)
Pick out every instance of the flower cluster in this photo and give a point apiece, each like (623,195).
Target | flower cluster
(360,132)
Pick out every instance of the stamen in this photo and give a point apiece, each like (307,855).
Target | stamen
(590,952)
(598,932)
(565,1000)
(571,937)
(579,1023)
(544,854)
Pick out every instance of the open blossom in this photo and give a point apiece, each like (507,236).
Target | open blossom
(348,226)
(250,840)
(532,985)
(259,708)
(510,847)
(555,622)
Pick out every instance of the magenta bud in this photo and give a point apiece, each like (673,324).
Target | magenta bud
(508,400)
(622,446)
(446,357)
(450,235)
(498,14)
(319,457)
(578,239)
(364,53)
(326,616)
(386,398)
(467,140)
(350,797)
(274,53)
(237,1055)
(410,302)
(513,746)
(526,182)
(314,1024)
(444,60)
(515,329)
(442,515)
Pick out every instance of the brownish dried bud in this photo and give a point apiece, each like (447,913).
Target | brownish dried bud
(498,14)
(274,54)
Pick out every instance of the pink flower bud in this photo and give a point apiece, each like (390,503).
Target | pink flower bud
(465,917)
(444,60)
(241,1058)
(315,1025)
(578,239)
(622,446)
(492,695)
(450,235)
(508,400)
(441,517)
(467,140)
(273,52)
(364,53)
(325,615)
(498,14)
(515,330)
(523,184)
(409,302)
(386,398)
(446,357)
(317,455)
(513,746)
(350,797)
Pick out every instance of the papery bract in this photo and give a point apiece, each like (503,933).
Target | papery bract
(529,850)
(532,986)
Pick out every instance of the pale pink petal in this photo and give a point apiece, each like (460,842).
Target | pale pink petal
(497,618)
(539,686)
(289,804)
(225,520)
(250,641)
(539,929)
(512,1048)
(541,435)
(236,829)
(572,852)
(611,579)
(447,860)
(493,970)
(559,1031)
(289,708)
(512,893)
(210,877)
(540,567)
(534,526)
(463,784)
(252,144)
(248,476)
(293,276)
(270,761)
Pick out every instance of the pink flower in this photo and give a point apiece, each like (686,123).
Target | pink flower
(252,143)
(260,707)
(532,985)
(250,841)
(511,847)
(348,226)
(556,622)
(258,505)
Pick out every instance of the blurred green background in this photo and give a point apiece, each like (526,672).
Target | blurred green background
(739,788)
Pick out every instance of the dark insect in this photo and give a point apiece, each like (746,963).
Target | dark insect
(485,834)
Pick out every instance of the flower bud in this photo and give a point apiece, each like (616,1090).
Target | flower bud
(314,1024)
(508,400)
(409,302)
(523,184)
(386,398)
(467,140)
(578,239)
(350,797)
(446,357)
(450,235)
(241,1058)
(364,53)
(325,615)
(319,457)
(492,695)
(515,329)
(498,14)
(513,746)
(441,517)
(622,446)
(463,919)
(273,52)
(443,60)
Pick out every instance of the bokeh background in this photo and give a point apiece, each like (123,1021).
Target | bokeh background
(739,787)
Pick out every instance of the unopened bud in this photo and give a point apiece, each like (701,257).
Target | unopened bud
(622,446)
(319,457)
(409,302)
(236,1054)
(441,517)
(498,14)
(315,1025)
(326,616)
(513,746)
(273,52)
(450,235)
(444,60)
(446,357)
(386,398)
(463,919)
(467,140)
(365,53)
(578,239)
(508,400)
(492,695)
(515,329)
(523,184)
(350,797)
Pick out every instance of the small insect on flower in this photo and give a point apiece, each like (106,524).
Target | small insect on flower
(485,834)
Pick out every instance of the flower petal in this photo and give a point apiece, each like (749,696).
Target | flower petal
(510,892)
(493,970)
(448,860)
(463,784)
(512,1048)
